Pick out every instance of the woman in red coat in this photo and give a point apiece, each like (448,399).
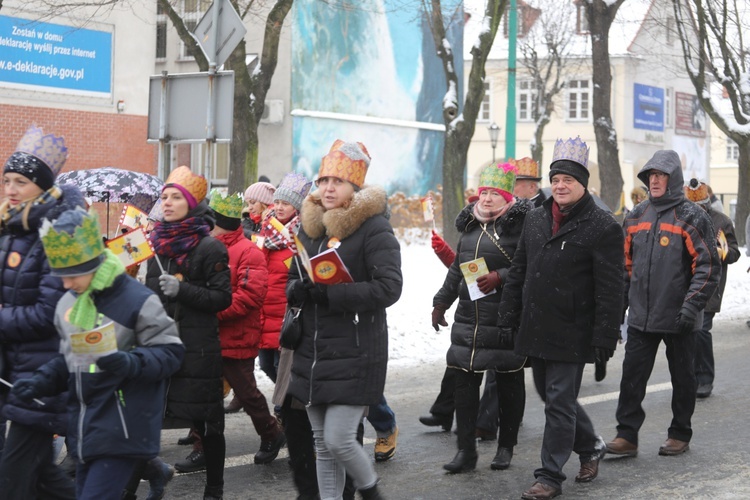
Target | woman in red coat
(279,257)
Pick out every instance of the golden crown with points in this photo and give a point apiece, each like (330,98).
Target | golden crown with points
(228,206)
(64,250)
(527,168)
(346,160)
(48,148)
(195,184)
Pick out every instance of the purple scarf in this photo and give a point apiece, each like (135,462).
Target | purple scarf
(174,240)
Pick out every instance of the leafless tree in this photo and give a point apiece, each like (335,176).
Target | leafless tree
(250,88)
(712,34)
(600,14)
(460,126)
(546,56)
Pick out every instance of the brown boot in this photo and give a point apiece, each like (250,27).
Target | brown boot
(622,447)
(674,447)
(541,491)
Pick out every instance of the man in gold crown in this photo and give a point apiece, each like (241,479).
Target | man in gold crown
(28,296)
(527,181)
(118,348)
(564,296)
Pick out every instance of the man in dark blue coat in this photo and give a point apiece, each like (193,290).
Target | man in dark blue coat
(564,294)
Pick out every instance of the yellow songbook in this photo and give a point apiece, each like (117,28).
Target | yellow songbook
(472,270)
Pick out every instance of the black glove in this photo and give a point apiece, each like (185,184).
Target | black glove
(601,356)
(686,320)
(318,294)
(507,337)
(27,389)
(298,292)
(438,316)
(124,364)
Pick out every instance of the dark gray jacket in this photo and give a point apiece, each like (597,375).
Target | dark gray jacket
(670,253)
(723,223)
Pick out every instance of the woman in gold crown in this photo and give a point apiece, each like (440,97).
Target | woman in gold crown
(340,365)
(29,294)
(194,286)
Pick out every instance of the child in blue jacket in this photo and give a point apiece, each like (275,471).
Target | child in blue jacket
(118,349)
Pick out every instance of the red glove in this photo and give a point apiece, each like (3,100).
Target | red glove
(444,252)
(488,282)
(438,316)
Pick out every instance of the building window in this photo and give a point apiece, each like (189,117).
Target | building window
(527,105)
(668,107)
(161,31)
(733,150)
(526,16)
(582,22)
(578,100)
(485,110)
(192,11)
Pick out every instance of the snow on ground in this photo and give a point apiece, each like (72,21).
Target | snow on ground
(413,341)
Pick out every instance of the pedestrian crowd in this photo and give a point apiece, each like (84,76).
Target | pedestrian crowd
(299,278)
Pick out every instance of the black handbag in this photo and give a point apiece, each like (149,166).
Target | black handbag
(291,328)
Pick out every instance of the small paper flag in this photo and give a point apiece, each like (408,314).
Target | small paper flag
(427,209)
(131,248)
(722,244)
(132,217)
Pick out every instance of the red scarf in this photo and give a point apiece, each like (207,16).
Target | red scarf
(558,217)
(174,240)
(273,240)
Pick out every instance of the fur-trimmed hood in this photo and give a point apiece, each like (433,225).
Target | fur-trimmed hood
(508,222)
(342,222)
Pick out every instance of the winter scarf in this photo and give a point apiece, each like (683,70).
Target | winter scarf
(485,217)
(83,314)
(7,212)
(558,217)
(274,240)
(175,239)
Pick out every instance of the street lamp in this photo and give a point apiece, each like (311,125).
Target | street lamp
(494,133)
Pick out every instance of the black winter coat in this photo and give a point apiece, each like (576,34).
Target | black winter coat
(196,390)
(29,296)
(343,356)
(475,343)
(723,223)
(565,292)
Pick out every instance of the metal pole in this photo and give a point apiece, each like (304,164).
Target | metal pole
(163,142)
(211,119)
(510,112)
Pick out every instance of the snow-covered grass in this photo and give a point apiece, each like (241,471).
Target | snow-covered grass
(413,341)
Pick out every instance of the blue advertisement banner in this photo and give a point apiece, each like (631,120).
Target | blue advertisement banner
(55,56)
(648,107)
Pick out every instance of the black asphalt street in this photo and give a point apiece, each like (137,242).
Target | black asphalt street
(717,465)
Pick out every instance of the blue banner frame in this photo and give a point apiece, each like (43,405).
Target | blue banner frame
(648,107)
(54,56)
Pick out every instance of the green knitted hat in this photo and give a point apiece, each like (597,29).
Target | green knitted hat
(499,176)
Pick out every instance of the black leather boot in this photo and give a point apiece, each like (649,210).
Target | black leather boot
(433,420)
(371,493)
(465,460)
(502,458)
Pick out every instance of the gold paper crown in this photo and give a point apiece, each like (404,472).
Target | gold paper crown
(697,191)
(527,168)
(573,149)
(195,184)
(64,250)
(228,206)
(346,160)
(48,148)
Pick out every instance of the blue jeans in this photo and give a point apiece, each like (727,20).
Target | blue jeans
(268,359)
(382,418)
(704,351)
(104,478)
(338,451)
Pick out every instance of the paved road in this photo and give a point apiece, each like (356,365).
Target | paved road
(717,465)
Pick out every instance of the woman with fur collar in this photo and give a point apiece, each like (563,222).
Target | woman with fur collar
(340,366)
(490,229)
